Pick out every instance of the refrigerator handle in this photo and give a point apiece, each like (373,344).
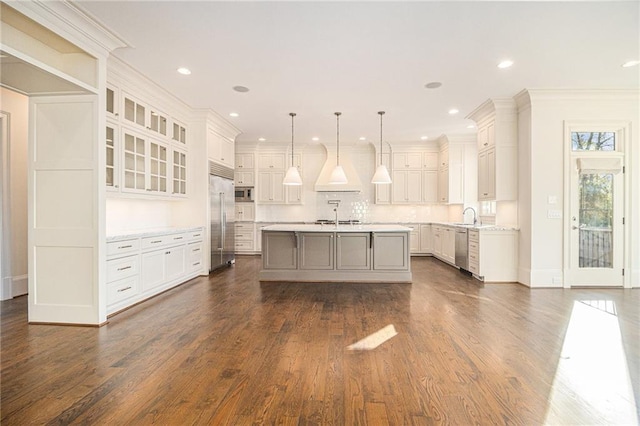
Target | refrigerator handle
(223,221)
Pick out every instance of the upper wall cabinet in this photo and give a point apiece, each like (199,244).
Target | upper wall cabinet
(407,160)
(245,172)
(498,149)
(414,177)
(146,152)
(457,170)
(275,161)
(221,149)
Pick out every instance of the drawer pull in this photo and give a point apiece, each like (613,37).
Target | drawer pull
(120,290)
(124,247)
(196,250)
(177,238)
(155,242)
(196,264)
(196,235)
(124,269)
(167,252)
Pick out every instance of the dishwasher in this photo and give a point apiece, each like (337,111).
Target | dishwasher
(462,248)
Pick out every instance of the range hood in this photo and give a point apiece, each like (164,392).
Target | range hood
(322,183)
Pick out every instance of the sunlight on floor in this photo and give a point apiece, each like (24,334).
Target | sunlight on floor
(592,383)
(374,340)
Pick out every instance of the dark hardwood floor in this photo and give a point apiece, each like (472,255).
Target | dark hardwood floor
(227,349)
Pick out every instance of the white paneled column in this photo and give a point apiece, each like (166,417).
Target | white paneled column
(64,210)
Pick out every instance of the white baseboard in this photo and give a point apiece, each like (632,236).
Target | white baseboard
(20,285)
(6,288)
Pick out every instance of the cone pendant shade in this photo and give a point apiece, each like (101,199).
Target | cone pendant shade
(293,174)
(338,177)
(381,176)
(292,177)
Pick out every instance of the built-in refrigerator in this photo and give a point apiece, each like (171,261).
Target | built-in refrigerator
(222,200)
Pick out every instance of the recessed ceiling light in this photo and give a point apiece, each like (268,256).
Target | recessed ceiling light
(261,139)
(424,138)
(453,111)
(241,89)
(631,64)
(505,64)
(433,85)
(471,126)
(184,71)
(315,139)
(362,138)
(234,114)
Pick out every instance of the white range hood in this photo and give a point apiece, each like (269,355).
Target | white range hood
(353,180)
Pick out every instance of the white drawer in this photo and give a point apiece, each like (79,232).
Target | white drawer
(240,226)
(195,235)
(473,246)
(153,242)
(122,247)
(473,267)
(244,245)
(474,236)
(194,251)
(244,235)
(122,267)
(122,289)
(474,258)
(178,238)
(194,265)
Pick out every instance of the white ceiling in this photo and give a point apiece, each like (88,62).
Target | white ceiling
(315,58)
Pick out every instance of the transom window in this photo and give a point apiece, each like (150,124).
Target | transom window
(593,141)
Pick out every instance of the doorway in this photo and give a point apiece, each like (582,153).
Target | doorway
(596,234)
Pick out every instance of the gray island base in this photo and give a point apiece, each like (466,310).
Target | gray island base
(326,253)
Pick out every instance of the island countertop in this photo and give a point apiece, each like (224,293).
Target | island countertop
(339,228)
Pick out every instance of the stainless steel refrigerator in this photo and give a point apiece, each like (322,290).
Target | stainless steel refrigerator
(222,199)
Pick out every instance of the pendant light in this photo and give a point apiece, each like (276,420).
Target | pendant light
(293,175)
(338,177)
(381,176)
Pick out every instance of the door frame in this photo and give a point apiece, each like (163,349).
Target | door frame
(6,291)
(623,136)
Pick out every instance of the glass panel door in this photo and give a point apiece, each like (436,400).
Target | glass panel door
(596,220)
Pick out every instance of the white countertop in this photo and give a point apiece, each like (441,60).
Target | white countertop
(123,235)
(340,228)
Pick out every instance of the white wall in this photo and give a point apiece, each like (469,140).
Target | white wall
(550,109)
(17,106)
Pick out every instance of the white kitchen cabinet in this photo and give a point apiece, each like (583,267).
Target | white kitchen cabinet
(430,161)
(244,169)
(457,170)
(112,163)
(270,188)
(426,239)
(179,175)
(497,121)
(448,236)
(179,132)
(221,149)
(407,160)
(353,250)
(414,237)
(112,101)
(436,238)
(244,177)
(407,187)
(245,212)
(271,161)
(493,254)
(157,176)
(245,160)
(244,237)
(140,267)
(294,194)
(158,122)
(135,111)
(135,151)
(430,186)
(443,185)
(316,250)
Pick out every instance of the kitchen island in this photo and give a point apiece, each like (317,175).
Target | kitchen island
(330,253)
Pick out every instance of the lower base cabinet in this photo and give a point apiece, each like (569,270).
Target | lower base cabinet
(141,267)
(335,256)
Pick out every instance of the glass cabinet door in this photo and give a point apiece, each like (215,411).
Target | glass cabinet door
(134,162)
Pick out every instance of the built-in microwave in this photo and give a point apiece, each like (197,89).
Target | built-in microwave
(244,194)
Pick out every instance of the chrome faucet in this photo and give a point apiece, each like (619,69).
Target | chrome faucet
(336,203)
(475,217)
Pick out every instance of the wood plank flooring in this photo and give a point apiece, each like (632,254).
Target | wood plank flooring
(227,349)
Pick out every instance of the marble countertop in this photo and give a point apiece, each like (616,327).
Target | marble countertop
(123,235)
(340,228)
(450,224)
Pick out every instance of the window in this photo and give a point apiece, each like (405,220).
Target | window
(593,141)
(487,208)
